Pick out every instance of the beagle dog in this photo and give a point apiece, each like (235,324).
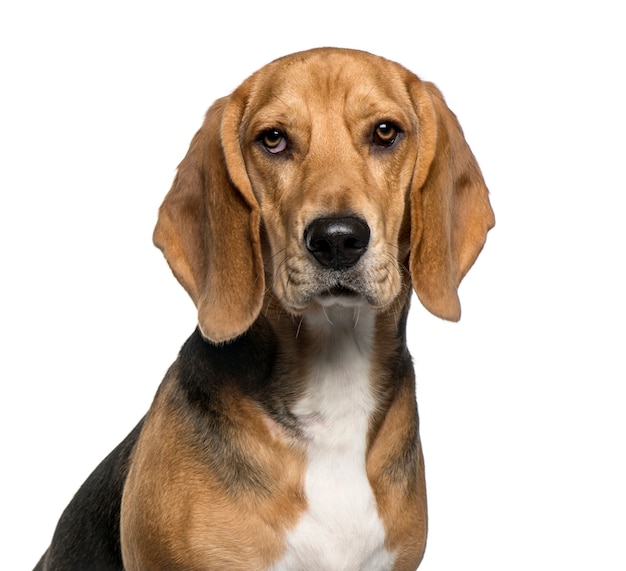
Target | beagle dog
(311,203)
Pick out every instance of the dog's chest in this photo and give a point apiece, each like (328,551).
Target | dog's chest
(340,528)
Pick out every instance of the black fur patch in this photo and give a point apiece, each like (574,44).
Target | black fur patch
(87,536)
(207,373)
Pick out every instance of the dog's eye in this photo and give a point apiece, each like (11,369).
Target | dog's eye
(385,134)
(274,141)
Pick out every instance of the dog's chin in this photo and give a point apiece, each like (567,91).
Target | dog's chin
(335,297)
(340,297)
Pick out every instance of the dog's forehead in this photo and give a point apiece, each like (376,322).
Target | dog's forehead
(329,76)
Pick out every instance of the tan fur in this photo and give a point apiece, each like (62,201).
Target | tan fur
(450,208)
(201,219)
(199,520)
(231,229)
(401,504)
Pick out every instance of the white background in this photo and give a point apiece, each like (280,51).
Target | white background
(522,402)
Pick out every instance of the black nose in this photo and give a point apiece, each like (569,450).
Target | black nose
(337,243)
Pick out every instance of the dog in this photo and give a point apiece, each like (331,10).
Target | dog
(312,202)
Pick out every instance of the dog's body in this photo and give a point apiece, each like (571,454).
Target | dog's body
(285,436)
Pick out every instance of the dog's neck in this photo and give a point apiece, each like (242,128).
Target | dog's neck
(332,330)
(281,358)
(338,367)
(340,345)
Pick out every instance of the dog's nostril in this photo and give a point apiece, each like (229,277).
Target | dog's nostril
(337,243)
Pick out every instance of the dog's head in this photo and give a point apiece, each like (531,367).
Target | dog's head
(328,174)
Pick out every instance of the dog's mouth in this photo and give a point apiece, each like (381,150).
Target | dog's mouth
(340,291)
(340,295)
(299,285)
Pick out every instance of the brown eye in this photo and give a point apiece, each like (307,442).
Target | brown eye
(385,134)
(274,141)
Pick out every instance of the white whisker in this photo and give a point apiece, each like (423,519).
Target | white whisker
(326,316)
(299,326)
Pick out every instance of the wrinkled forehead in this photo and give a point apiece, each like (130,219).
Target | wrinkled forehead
(354,85)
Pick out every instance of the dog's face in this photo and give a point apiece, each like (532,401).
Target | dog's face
(330,151)
(334,175)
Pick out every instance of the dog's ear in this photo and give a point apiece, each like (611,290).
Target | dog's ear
(450,210)
(208,228)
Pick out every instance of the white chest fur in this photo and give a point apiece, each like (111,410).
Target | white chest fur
(341,529)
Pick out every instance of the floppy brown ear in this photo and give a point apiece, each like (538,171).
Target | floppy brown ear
(450,210)
(208,228)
